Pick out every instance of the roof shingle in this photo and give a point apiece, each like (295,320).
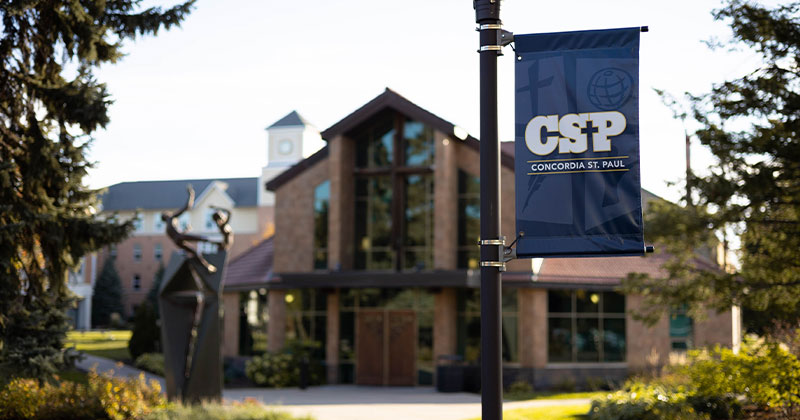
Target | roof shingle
(157,195)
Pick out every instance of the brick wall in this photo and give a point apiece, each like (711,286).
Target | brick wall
(294,220)
(341,157)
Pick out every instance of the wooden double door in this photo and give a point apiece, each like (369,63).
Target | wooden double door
(386,347)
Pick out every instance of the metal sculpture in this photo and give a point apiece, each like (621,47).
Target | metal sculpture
(191,319)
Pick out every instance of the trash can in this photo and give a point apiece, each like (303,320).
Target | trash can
(449,373)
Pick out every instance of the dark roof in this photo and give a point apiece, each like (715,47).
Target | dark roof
(151,195)
(296,169)
(251,269)
(389,99)
(600,270)
(293,119)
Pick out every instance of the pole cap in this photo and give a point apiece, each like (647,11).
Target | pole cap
(486,10)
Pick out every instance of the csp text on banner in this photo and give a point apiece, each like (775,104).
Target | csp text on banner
(578,191)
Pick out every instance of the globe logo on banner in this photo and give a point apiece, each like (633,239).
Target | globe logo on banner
(576,152)
(609,88)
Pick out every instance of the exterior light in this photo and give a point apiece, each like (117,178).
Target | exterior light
(460,133)
(594,298)
(289,298)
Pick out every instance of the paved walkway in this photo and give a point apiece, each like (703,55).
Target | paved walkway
(103,365)
(349,402)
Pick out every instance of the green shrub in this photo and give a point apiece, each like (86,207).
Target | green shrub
(146,332)
(272,370)
(520,387)
(151,362)
(248,410)
(761,381)
(103,398)
(764,374)
(645,402)
(280,370)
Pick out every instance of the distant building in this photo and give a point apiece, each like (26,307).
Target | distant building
(81,283)
(374,257)
(139,257)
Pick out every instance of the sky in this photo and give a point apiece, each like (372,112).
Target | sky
(193,102)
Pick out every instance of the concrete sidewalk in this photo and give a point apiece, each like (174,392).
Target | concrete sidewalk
(102,365)
(347,402)
(351,402)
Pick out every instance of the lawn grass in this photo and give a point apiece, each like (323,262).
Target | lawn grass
(556,412)
(235,411)
(109,344)
(74,376)
(522,396)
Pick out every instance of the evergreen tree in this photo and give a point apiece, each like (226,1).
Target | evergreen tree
(152,294)
(107,296)
(146,337)
(146,333)
(50,103)
(751,126)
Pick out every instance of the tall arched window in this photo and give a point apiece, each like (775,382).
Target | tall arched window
(394,194)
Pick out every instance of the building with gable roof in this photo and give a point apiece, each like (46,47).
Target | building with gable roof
(374,257)
(138,258)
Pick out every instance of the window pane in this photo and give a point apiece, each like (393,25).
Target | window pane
(468,183)
(613,302)
(510,300)
(373,224)
(320,325)
(419,211)
(380,211)
(559,301)
(375,144)
(382,147)
(510,338)
(469,300)
(321,203)
(347,298)
(469,258)
(418,144)
(469,227)
(469,221)
(425,337)
(347,336)
(680,345)
(613,340)
(559,340)
(370,298)
(680,325)
(469,337)
(587,340)
(424,300)
(398,298)
(587,301)
(380,260)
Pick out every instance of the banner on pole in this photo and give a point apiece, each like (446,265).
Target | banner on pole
(578,191)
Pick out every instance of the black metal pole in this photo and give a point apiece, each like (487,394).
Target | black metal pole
(487,15)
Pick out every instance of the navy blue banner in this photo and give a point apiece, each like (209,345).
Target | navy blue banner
(578,192)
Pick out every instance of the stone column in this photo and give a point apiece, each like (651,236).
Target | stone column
(444,323)
(276,325)
(332,338)
(532,327)
(230,324)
